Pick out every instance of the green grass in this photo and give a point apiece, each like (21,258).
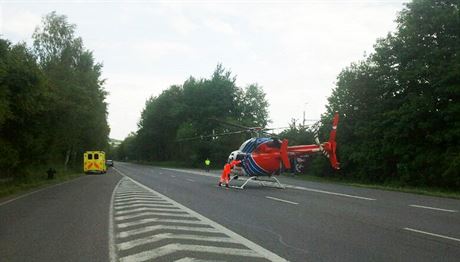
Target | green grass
(34,180)
(438,192)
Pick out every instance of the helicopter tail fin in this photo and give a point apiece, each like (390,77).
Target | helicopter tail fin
(329,148)
(284,154)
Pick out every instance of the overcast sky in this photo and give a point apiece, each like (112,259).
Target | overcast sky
(294,50)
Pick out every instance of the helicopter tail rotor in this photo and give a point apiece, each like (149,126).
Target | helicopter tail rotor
(329,148)
(284,154)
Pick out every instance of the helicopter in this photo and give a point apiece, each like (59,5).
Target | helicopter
(263,157)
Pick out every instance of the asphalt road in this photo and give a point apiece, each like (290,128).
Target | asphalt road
(323,222)
(138,213)
(65,222)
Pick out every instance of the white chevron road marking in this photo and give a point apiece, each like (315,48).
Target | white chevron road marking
(150,213)
(157,226)
(171,248)
(169,210)
(161,227)
(161,220)
(158,237)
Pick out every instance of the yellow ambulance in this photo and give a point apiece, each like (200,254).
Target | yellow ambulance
(94,162)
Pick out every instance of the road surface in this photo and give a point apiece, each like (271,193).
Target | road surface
(143,213)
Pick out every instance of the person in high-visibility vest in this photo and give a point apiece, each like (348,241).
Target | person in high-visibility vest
(225,177)
(207,163)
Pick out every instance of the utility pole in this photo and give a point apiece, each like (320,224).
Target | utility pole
(303,123)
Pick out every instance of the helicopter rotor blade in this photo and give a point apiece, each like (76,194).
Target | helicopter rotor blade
(206,136)
(230,124)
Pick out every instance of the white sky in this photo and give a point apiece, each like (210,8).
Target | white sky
(294,50)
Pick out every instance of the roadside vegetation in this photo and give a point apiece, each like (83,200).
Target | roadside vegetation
(399,109)
(52,105)
(36,178)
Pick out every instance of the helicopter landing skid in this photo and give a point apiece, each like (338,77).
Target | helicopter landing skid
(275,183)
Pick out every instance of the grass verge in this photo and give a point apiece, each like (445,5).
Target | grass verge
(428,191)
(36,179)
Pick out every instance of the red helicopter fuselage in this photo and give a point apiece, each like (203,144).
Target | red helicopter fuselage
(263,156)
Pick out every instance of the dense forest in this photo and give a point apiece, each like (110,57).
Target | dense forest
(191,110)
(51,100)
(400,106)
(399,109)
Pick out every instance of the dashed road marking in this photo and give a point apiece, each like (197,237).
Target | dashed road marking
(286,185)
(435,208)
(431,234)
(282,200)
(329,192)
(160,228)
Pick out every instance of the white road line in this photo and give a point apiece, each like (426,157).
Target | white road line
(119,199)
(249,244)
(163,220)
(150,229)
(191,180)
(328,192)
(133,195)
(158,237)
(189,259)
(141,209)
(282,200)
(119,207)
(171,248)
(435,208)
(431,234)
(165,214)
(133,202)
(112,252)
(131,192)
(39,190)
(287,185)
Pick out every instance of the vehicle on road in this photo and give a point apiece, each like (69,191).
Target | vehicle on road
(109,162)
(94,162)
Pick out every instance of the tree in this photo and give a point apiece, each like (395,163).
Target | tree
(78,114)
(400,106)
(23,97)
(188,111)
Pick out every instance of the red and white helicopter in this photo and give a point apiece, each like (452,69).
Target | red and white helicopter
(263,157)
